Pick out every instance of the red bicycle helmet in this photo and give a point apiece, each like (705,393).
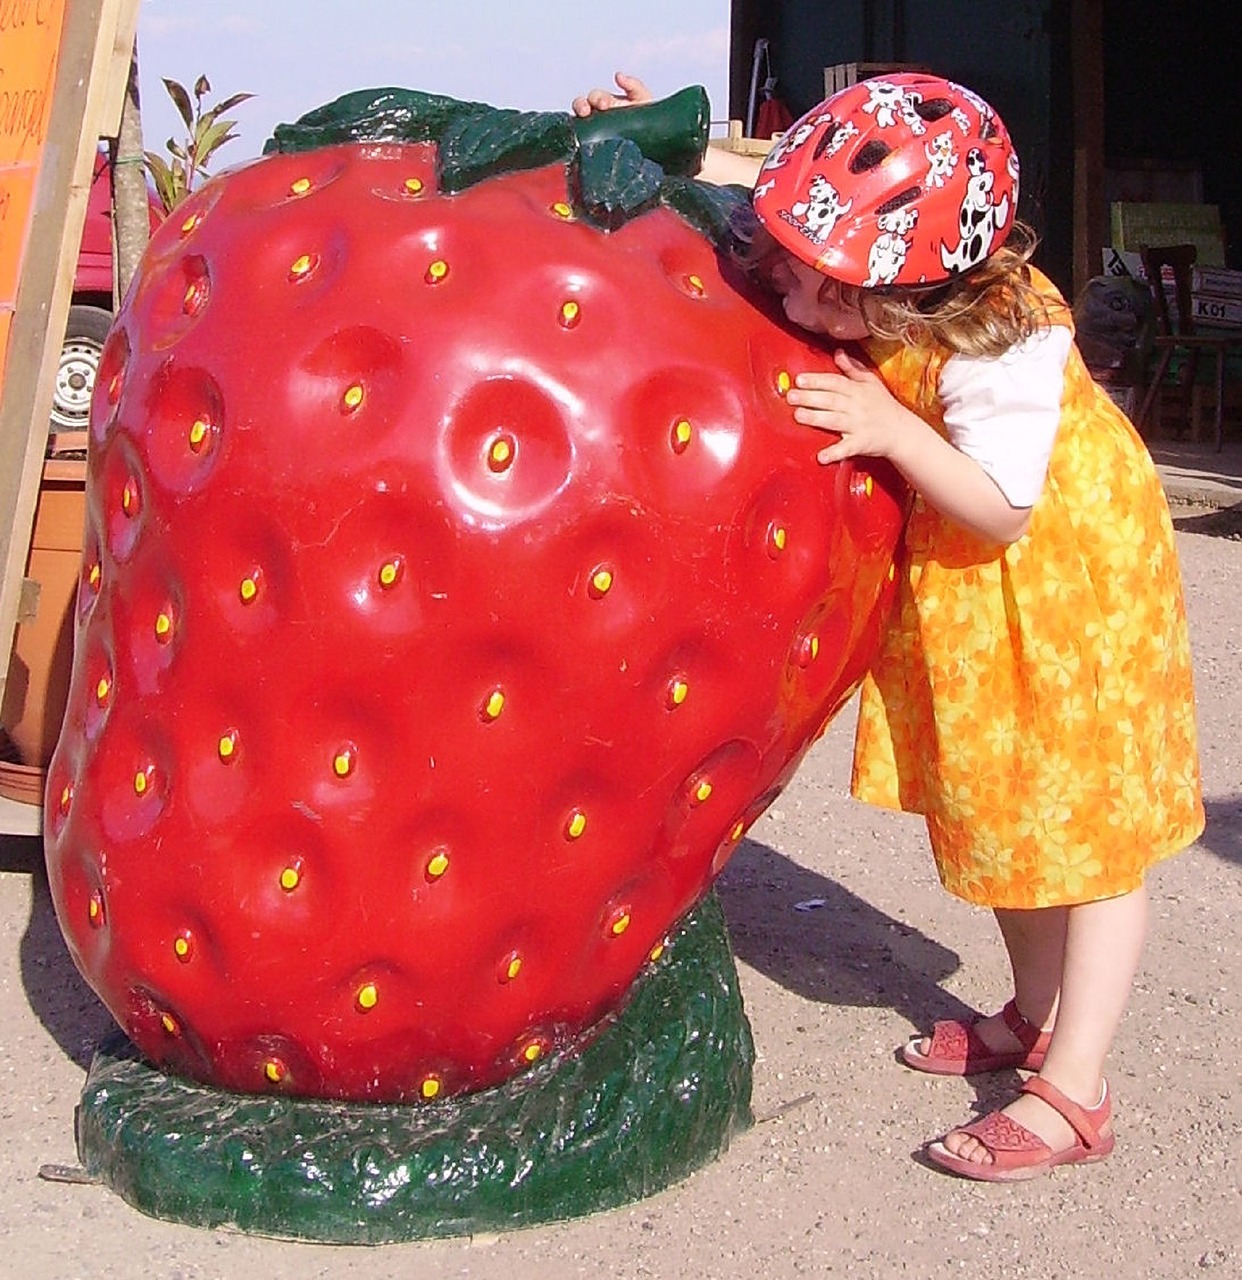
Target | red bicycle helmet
(899,180)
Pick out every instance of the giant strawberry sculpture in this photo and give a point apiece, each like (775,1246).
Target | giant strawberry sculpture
(458,589)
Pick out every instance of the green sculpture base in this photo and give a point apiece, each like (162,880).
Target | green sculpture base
(655,1096)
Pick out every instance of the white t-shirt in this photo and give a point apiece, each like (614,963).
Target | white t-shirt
(1003,411)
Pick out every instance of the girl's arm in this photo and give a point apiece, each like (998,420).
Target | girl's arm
(857,406)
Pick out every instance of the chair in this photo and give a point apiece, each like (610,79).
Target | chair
(1176,333)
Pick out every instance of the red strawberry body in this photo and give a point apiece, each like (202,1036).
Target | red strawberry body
(457,590)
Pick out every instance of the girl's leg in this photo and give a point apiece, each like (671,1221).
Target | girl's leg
(1035,941)
(1103,944)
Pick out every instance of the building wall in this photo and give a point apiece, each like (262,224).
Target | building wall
(1005,52)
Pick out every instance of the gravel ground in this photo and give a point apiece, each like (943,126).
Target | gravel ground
(845,944)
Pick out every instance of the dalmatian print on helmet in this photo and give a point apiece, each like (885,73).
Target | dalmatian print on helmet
(899,180)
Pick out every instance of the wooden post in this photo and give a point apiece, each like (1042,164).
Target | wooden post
(59,64)
(1087,41)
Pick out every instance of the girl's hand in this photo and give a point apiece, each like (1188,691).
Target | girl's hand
(633,91)
(853,404)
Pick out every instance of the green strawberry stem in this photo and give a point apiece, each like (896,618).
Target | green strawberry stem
(671,131)
(621,163)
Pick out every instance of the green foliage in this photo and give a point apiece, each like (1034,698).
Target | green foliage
(206,132)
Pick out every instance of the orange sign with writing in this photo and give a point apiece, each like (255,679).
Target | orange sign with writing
(30,32)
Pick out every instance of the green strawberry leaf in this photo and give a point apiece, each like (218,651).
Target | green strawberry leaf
(474,147)
(620,163)
(613,182)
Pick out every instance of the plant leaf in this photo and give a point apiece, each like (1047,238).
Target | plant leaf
(202,86)
(212,139)
(229,103)
(181,100)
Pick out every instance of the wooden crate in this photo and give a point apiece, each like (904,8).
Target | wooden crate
(843,74)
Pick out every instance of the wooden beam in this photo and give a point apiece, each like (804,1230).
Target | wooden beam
(1090,215)
(54,58)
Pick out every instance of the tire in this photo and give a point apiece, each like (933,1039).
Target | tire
(79,362)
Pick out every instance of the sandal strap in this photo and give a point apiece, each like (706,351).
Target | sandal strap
(1023,1029)
(1085,1121)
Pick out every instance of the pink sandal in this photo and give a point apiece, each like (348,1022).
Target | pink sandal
(1018,1154)
(957,1049)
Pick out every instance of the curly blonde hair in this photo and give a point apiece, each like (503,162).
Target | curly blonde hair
(982,312)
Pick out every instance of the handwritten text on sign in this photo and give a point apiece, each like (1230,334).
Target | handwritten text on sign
(30,33)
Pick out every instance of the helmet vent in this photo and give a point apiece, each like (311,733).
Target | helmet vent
(869,155)
(933,108)
(902,197)
(827,138)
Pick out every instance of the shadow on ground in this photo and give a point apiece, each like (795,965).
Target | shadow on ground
(836,948)
(57,993)
(1223,835)
(1213,522)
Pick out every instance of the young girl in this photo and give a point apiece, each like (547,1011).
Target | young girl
(1032,697)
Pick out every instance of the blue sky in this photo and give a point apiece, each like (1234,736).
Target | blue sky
(534,55)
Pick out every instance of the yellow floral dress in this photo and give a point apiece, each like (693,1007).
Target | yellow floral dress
(1034,702)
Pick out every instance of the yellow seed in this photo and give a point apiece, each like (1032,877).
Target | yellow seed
(500,454)
(182,947)
(656,952)
(562,210)
(189,224)
(368,996)
(389,573)
(129,497)
(437,271)
(571,313)
(438,865)
(169,1023)
(779,537)
(515,967)
(302,265)
(413,186)
(140,783)
(352,397)
(783,382)
(869,486)
(163,626)
(738,831)
(274,1070)
(430,1088)
(65,796)
(343,763)
(102,689)
(94,575)
(95,908)
(677,692)
(892,572)
(621,924)
(577,824)
(695,283)
(300,187)
(601,581)
(682,433)
(702,791)
(533,1051)
(290,878)
(227,745)
(249,588)
(495,704)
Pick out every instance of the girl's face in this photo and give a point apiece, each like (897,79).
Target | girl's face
(817,302)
